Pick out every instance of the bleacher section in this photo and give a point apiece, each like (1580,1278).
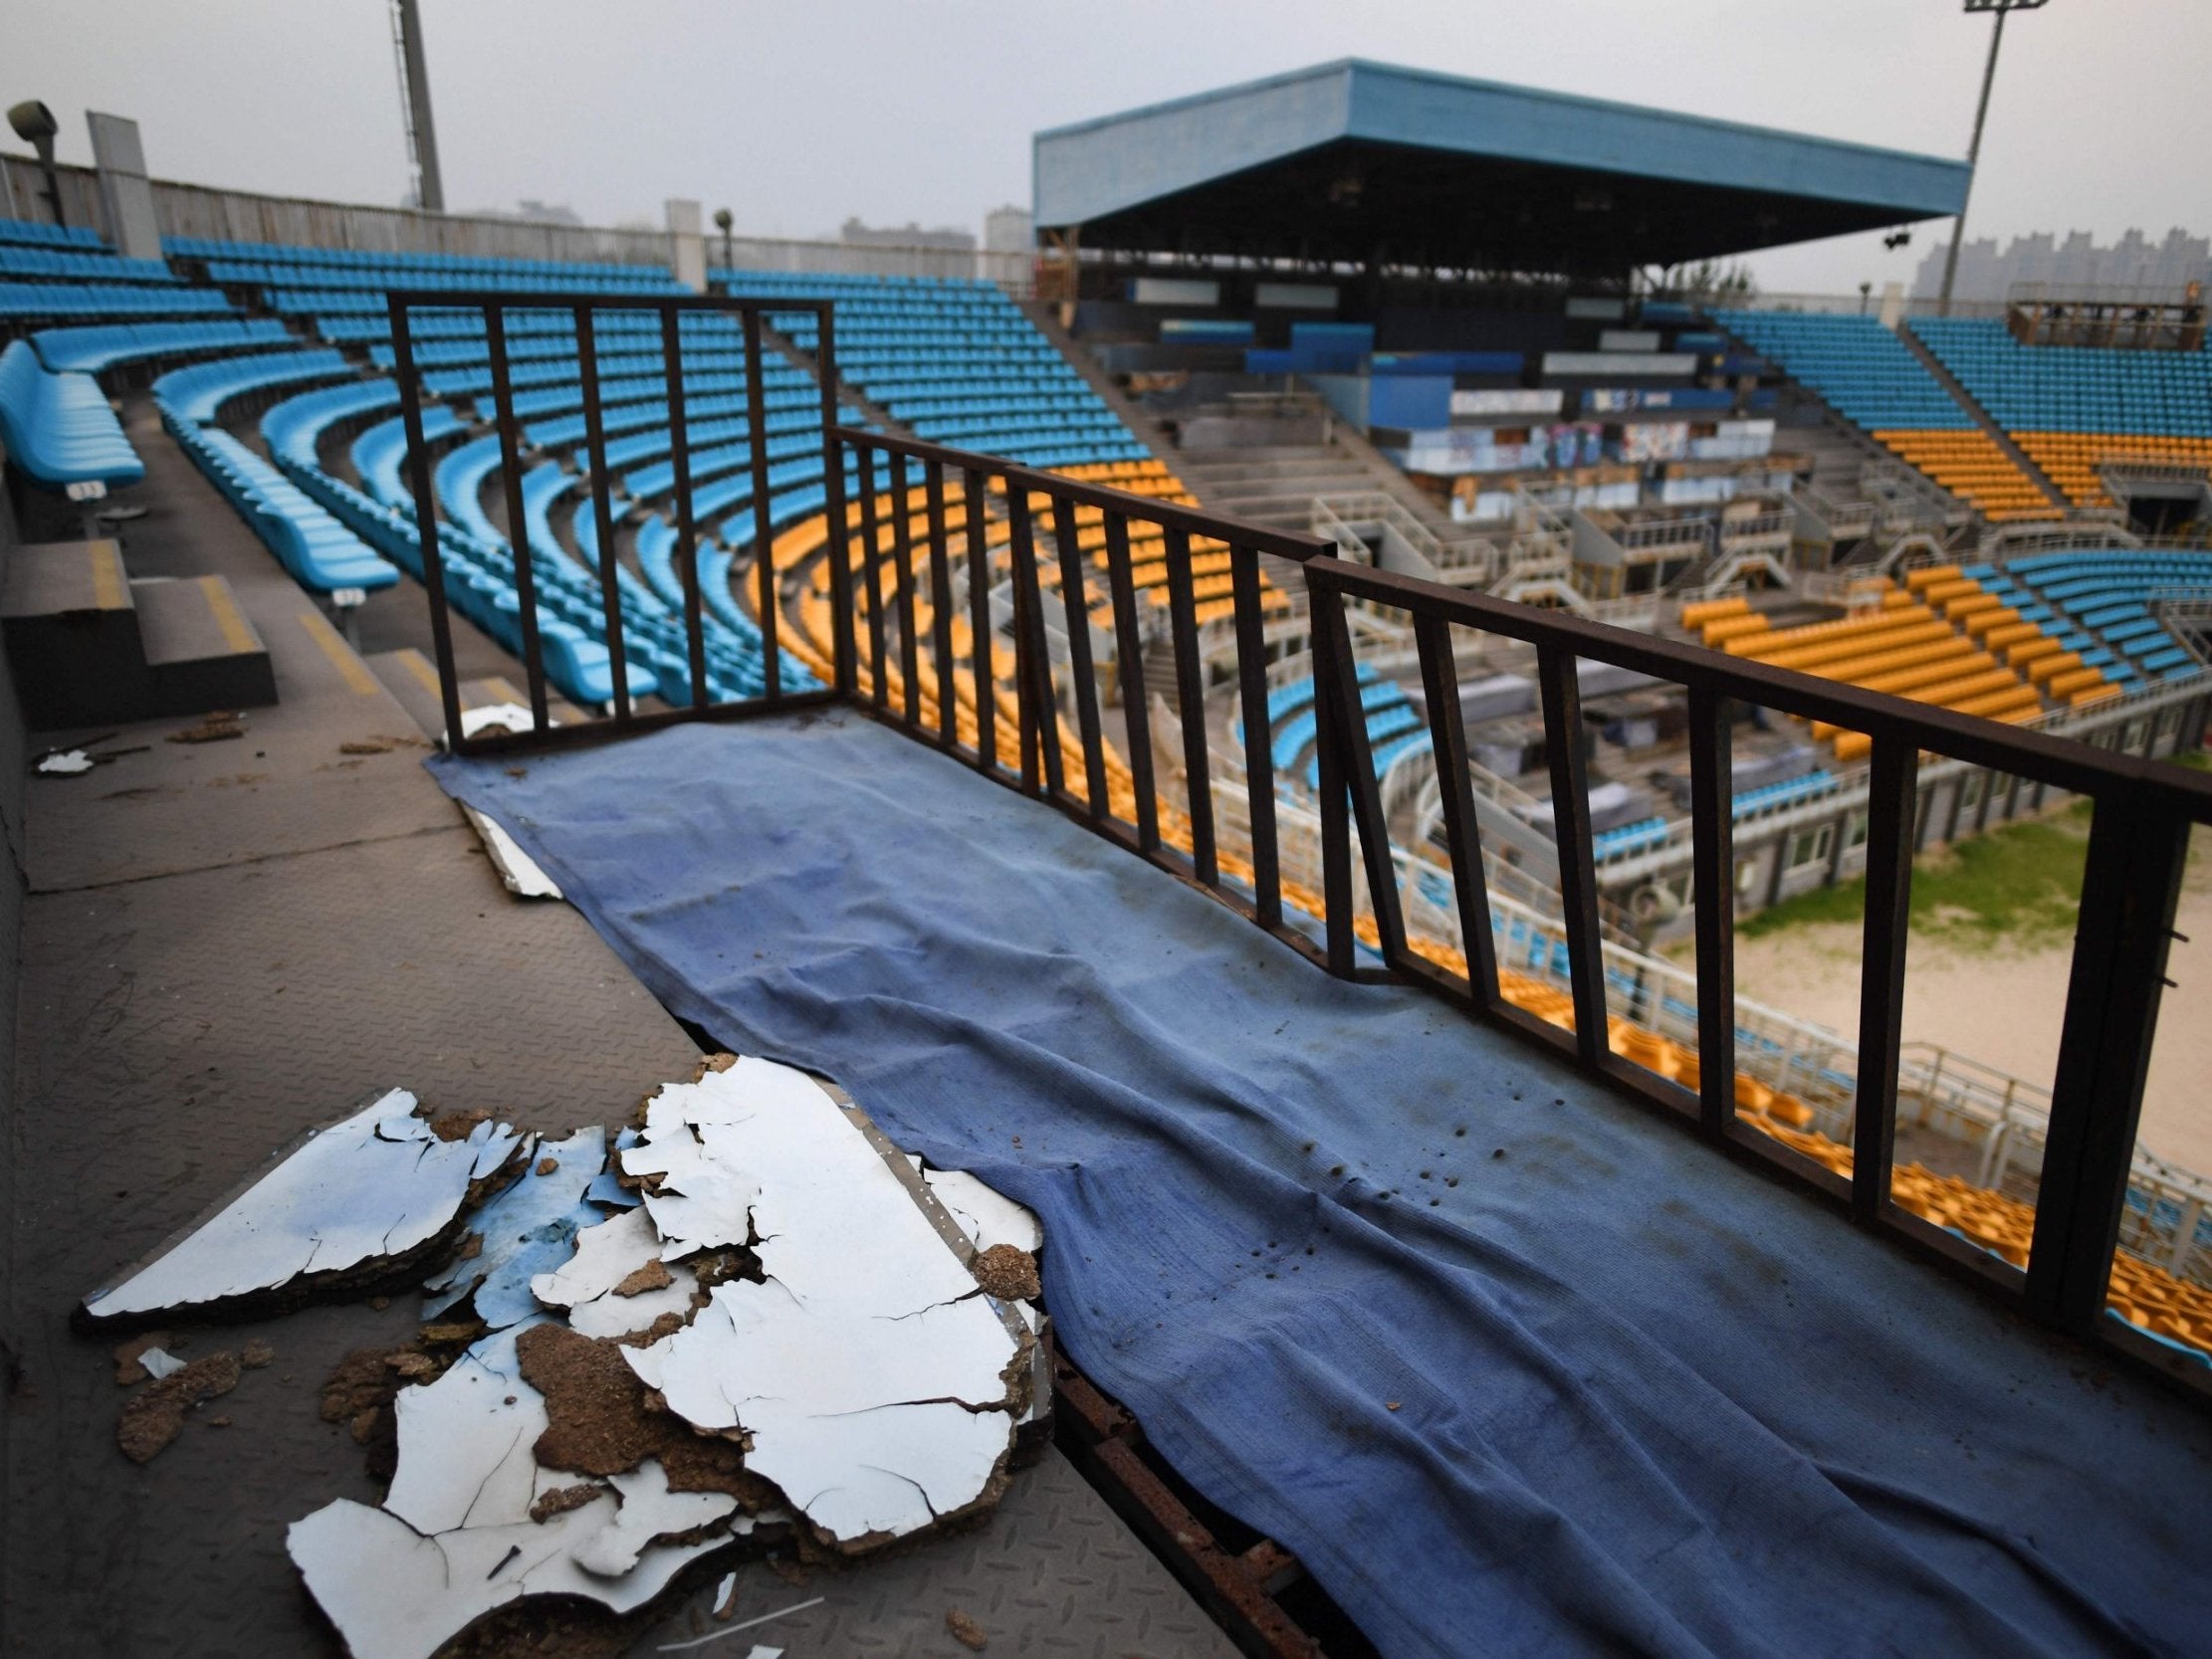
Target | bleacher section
(34,233)
(1872,378)
(2071,408)
(1394,728)
(99,347)
(1945,637)
(2101,597)
(957,362)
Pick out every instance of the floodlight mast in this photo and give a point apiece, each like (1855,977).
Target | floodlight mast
(1981,113)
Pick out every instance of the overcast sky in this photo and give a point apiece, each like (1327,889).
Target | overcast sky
(798,112)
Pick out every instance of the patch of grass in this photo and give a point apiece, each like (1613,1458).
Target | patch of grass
(2017,885)
(2197,760)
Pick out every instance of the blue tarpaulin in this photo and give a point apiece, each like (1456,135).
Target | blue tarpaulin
(1512,1367)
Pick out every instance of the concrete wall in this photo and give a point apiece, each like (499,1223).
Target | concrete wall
(13,764)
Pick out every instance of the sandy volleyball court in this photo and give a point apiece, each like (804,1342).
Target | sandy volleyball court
(2002,1005)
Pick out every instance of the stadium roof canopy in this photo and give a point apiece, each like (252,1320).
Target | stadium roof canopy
(1364,163)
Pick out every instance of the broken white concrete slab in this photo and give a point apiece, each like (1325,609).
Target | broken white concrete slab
(609,1189)
(370,1188)
(529,1229)
(395,1594)
(649,1509)
(607,1255)
(505,717)
(868,1371)
(704,1198)
(465,1443)
(522,873)
(160,1363)
(988,1217)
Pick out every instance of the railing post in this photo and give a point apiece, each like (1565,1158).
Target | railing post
(1345,723)
(518,537)
(426,522)
(1577,879)
(687,530)
(602,509)
(1891,810)
(1447,736)
(1189,705)
(1713,896)
(2129,888)
(844,644)
(1259,761)
(763,528)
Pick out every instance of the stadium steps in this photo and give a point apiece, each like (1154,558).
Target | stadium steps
(1140,421)
(92,647)
(1274,485)
(1965,400)
(412,679)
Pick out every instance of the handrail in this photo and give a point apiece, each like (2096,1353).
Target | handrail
(918,509)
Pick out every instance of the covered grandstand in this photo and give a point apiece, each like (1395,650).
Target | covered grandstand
(887,676)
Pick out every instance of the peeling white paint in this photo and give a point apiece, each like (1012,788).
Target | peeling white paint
(529,1229)
(854,1367)
(393,1593)
(511,715)
(648,1510)
(609,1189)
(517,869)
(465,1440)
(375,1185)
(160,1363)
(65,764)
(985,1214)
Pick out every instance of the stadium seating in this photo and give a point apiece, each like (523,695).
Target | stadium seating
(1872,379)
(320,553)
(2070,408)
(34,233)
(194,395)
(59,428)
(99,347)
(93,301)
(957,362)
(2101,600)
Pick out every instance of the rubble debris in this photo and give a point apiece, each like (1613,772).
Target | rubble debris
(130,1367)
(1007,1273)
(607,1257)
(69,763)
(966,1631)
(256,1355)
(214,728)
(609,1189)
(160,1363)
(725,1598)
(498,718)
(393,1593)
(155,1417)
(370,746)
(521,872)
(985,1214)
(464,1443)
(874,1378)
(562,1499)
(653,1276)
(529,1229)
(363,1194)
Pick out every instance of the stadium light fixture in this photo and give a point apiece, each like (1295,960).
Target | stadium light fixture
(724,219)
(1981,113)
(33,124)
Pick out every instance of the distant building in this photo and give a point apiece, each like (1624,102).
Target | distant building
(855,233)
(2076,262)
(531,211)
(1007,230)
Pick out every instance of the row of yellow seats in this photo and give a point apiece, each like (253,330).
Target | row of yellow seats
(2071,460)
(1767,643)
(1973,466)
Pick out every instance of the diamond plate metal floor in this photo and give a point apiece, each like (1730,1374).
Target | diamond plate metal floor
(225,943)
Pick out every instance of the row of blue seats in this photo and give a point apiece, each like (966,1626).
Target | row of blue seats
(1786,793)
(59,428)
(379,276)
(18,262)
(2051,388)
(38,234)
(1862,370)
(611,364)
(97,299)
(1625,839)
(97,347)
(481,264)
(2105,599)
(197,392)
(322,554)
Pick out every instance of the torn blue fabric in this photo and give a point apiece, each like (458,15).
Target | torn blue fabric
(1513,1367)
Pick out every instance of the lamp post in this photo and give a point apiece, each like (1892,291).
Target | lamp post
(33,124)
(723,221)
(1981,113)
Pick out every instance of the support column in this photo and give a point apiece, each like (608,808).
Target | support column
(687,242)
(124,193)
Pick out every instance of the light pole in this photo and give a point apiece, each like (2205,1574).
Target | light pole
(1981,113)
(723,221)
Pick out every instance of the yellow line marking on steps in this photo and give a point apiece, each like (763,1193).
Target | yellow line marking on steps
(349,666)
(236,634)
(418,665)
(109,591)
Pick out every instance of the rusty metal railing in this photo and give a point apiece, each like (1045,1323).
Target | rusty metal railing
(920,541)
